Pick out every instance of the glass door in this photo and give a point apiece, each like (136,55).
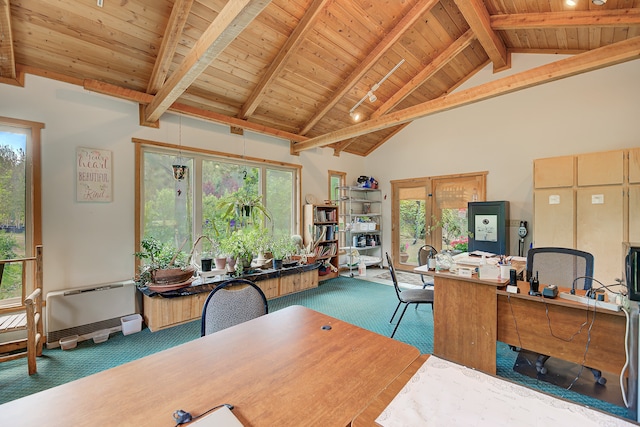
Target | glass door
(410,205)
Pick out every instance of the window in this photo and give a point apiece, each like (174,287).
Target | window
(432,210)
(336,179)
(20,219)
(177,211)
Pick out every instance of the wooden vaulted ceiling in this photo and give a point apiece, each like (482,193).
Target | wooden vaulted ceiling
(295,69)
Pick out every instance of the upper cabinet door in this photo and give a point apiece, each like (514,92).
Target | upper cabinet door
(634,166)
(604,168)
(554,172)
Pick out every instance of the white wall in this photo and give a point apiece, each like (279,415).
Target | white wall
(596,111)
(92,243)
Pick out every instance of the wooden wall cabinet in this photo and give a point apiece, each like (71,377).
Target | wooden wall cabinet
(589,202)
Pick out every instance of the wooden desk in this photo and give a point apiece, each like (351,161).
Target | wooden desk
(470,315)
(367,417)
(522,322)
(279,369)
(464,319)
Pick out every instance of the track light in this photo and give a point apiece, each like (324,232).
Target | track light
(598,2)
(571,2)
(355,116)
(372,97)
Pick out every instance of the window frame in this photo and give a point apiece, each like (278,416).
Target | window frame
(33,202)
(199,153)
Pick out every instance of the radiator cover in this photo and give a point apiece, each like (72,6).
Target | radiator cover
(83,311)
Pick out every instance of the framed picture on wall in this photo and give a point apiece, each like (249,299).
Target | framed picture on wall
(94,175)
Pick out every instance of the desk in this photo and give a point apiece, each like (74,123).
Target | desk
(470,315)
(279,369)
(522,322)
(464,319)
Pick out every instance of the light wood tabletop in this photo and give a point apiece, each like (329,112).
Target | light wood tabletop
(291,367)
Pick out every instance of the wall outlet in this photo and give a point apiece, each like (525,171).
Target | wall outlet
(99,3)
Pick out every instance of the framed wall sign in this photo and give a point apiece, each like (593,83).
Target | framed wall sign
(94,175)
(488,223)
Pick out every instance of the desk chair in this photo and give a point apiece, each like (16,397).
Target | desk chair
(226,307)
(424,253)
(407,296)
(561,267)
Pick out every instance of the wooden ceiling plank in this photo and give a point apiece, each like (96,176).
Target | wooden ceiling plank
(7,56)
(145,98)
(602,57)
(477,16)
(297,37)
(235,16)
(381,48)
(599,18)
(427,72)
(172,33)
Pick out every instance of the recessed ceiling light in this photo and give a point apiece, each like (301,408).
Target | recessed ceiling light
(571,2)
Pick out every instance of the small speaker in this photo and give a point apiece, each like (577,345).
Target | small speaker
(512,277)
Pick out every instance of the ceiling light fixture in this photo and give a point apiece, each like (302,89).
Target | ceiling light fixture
(372,97)
(571,2)
(598,2)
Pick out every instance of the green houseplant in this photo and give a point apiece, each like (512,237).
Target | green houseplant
(163,263)
(281,247)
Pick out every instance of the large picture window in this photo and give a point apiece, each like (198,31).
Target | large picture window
(20,218)
(177,209)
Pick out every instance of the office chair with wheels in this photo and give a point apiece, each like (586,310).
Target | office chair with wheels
(561,267)
(424,253)
(407,296)
(230,303)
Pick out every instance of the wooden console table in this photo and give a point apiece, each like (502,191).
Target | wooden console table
(161,311)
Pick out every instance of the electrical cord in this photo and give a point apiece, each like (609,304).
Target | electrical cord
(626,358)
(183,417)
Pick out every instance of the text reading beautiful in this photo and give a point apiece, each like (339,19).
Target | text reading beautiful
(94,175)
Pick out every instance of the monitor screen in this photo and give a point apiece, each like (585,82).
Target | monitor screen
(633,272)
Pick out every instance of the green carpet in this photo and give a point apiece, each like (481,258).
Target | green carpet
(362,303)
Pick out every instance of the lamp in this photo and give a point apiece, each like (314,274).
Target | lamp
(372,97)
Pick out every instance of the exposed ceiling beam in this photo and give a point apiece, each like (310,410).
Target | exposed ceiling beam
(293,42)
(7,58)
(172,33)
(598,18)
(381,48)
(602,57)
(426,73)
(145,98)
(477,16)
(232,19)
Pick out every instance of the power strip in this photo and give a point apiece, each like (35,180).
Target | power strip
(611,306)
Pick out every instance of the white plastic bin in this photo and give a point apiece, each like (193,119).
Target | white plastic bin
(131,324)
(100,336)
(67,343)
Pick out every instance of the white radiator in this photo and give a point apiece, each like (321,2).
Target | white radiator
(83,311)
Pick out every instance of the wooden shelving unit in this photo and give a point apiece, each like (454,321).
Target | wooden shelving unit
(321,224)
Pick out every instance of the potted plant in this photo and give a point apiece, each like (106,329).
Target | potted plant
(242,244)
(243,206)
(281,248)
(404,255)
(164,264)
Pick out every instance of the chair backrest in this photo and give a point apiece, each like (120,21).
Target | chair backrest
(392,271)
(225,307)
(560,266)
(424,252)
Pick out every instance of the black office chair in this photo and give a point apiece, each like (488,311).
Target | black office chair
(563,267)
(407,296)
(424,253)
(226,307)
